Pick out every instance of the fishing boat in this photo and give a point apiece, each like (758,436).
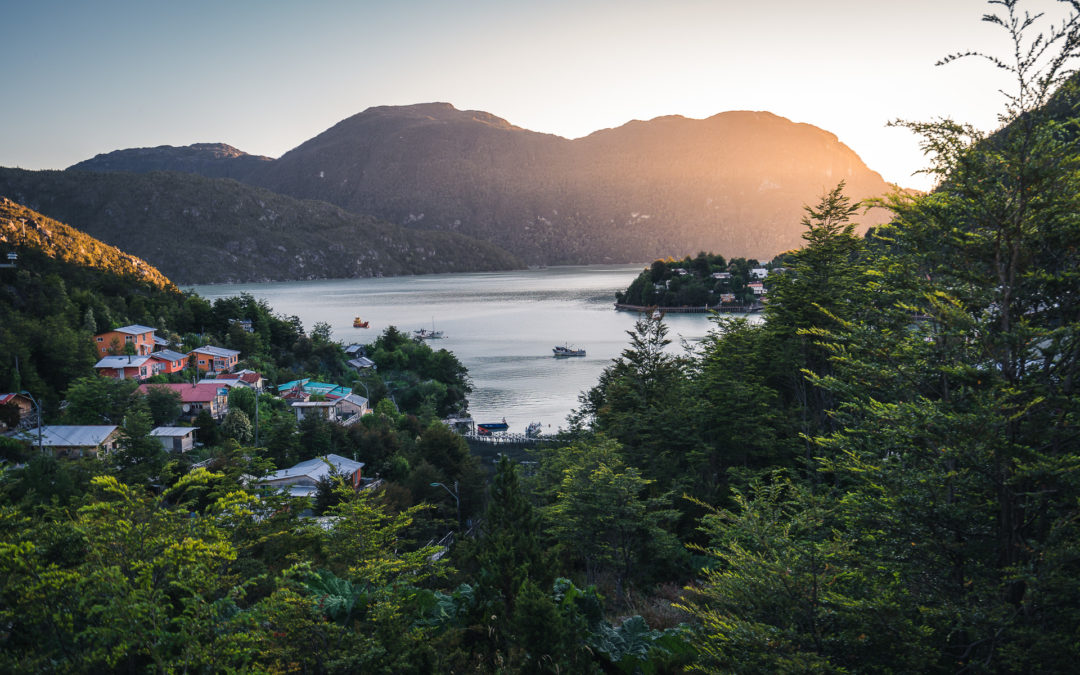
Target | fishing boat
(486,429)
(564,350)
(534,429)
(357,322)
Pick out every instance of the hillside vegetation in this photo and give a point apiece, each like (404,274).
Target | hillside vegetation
(31,235)
(203,230)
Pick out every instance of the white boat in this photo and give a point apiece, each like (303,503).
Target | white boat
(534,429)
(425,334)
(564,350)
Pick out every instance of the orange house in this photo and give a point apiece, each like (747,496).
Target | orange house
(125,367)
(141,338)
(214,359)
(168,361)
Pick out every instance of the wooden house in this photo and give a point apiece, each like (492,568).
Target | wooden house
(214,359)
(117,341)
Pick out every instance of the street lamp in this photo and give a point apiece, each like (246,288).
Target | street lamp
(454,494)
(38,407)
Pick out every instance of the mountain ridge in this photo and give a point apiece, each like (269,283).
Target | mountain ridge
(735,182)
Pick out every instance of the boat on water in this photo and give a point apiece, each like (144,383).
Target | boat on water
(488,428)
(534,429)
(425,334)
(564,350)
(357,322)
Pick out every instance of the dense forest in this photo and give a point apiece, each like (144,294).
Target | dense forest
(883,476)
(707,279)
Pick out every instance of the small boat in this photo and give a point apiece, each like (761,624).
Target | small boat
(425,334)
(534,429)
(359,323)
(564,350)
(486,429)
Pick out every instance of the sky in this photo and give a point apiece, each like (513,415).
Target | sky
(83,78)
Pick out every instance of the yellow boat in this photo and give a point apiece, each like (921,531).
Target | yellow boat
(359,323)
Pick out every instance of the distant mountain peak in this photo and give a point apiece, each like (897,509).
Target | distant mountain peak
(214,160)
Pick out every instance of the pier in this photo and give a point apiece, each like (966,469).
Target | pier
(695,309)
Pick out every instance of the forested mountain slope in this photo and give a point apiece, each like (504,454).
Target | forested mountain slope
(203,230)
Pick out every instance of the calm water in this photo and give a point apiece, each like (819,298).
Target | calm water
(501,326)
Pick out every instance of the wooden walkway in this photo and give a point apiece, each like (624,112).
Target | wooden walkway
(504,439)
(697,309)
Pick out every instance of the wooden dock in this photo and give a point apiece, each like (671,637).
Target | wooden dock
(696,309)
(504,439)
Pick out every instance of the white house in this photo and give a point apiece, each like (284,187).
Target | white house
(175,439)
(302,479)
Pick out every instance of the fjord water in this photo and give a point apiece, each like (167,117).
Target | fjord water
(501,326)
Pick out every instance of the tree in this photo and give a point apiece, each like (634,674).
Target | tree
(602,516)
(951,442)
(164,404)
(784,592)
(99,400)
(237,425)
(139,458)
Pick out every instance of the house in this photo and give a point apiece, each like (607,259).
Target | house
(355,350)
(73,441)
(243,378)
(321,388)
(325,409)
(759,272)
(194,398)
(167,361)
(160,342)
(302,479)
(116,341)
(351,408)
(721,275)
(20,403)
(250,378)
(757,287)
(245,324)
(125,367)
(361,363)
(214,359)
(727,297)
(175,439)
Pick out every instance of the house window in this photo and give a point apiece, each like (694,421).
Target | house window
(127,339)
(101,339)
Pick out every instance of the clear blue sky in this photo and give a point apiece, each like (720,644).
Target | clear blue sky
(83,78)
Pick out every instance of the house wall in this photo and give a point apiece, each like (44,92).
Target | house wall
(206,363)
(114,343)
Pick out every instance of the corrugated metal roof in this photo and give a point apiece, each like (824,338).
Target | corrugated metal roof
(189,393)
(172,431)
(87,436)
(134,329)
(168,355)
(215,351)
(316,469)
(121,361)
